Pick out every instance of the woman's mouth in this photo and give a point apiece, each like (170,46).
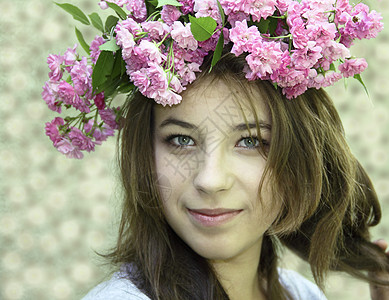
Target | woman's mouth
(213,217)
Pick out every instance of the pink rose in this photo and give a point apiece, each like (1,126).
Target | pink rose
(352,66)
(183,36)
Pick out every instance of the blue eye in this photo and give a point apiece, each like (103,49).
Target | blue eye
(181,140)
(248,142)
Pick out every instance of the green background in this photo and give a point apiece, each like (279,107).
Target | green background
(55,212)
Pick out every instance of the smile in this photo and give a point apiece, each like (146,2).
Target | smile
(213,217)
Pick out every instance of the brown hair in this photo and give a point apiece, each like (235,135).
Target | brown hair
(328,199)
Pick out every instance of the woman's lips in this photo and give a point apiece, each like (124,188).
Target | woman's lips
(213,217)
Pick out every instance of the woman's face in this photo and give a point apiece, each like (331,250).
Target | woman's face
(209,170)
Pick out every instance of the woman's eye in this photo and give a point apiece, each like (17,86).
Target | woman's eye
(248,142)
(182,140)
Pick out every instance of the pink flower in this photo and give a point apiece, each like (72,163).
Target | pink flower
(299,33)
(55,63)
(294,91)
(321,32)
(196,56)
(69,96)
(324,80)
(168,98)
(352,66)
(156,30)
(99,101)
(183,36)
(187,6)
(306,58)
(109,117)
(331,52)
(70,56)
(318,5)
(65,147)
(125,40)
(231,6)
(239,16)
(66,93)
(151,51)
(283,5)
(289,77)
(52,131)
(140,80)
(49,94)
(265,58)
(80,141)
(342,6)
(207,8)
(244,38)
(138,9)
(94,48)
(103,4)
(158,81)
(81,74)
(100,134)
(259,9)
(175,84)
(131,25)
(210,44)
(359,23)
(187,73)
(170,13)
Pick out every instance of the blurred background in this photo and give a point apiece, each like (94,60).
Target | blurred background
(55,213)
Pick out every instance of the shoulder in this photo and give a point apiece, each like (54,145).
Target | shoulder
(117,288)
(299,287)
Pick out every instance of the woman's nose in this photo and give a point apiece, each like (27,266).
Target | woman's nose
(213,173)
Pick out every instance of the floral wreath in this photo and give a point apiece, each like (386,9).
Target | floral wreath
(157,46)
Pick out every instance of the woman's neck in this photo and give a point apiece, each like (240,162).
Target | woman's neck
(239,275)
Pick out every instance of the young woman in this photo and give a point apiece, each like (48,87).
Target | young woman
(224,167)
(216,184)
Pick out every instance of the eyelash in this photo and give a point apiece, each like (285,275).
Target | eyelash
(169,141)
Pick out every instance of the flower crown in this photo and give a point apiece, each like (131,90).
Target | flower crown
(157,46)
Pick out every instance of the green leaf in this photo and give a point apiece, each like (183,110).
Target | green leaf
(273,23)
(218,50)
(82,42)
(111,22)
(168,2)
(96,21)
(359,78)
(202,28)
(102,69)
(110,46)
(223,16)
(153,2)
(121,13)
(75,12)
(110,86)
(123,67)
(117,65)
(150,6)
(126,87)
(263,25)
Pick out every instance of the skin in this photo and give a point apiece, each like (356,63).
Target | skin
(202,163)
(215,164)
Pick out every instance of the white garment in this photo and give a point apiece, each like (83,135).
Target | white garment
(120,288)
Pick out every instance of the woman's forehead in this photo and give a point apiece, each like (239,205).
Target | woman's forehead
(219,101)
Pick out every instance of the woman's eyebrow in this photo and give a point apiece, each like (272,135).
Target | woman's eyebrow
(245,126)
(239,127)
(173,121)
